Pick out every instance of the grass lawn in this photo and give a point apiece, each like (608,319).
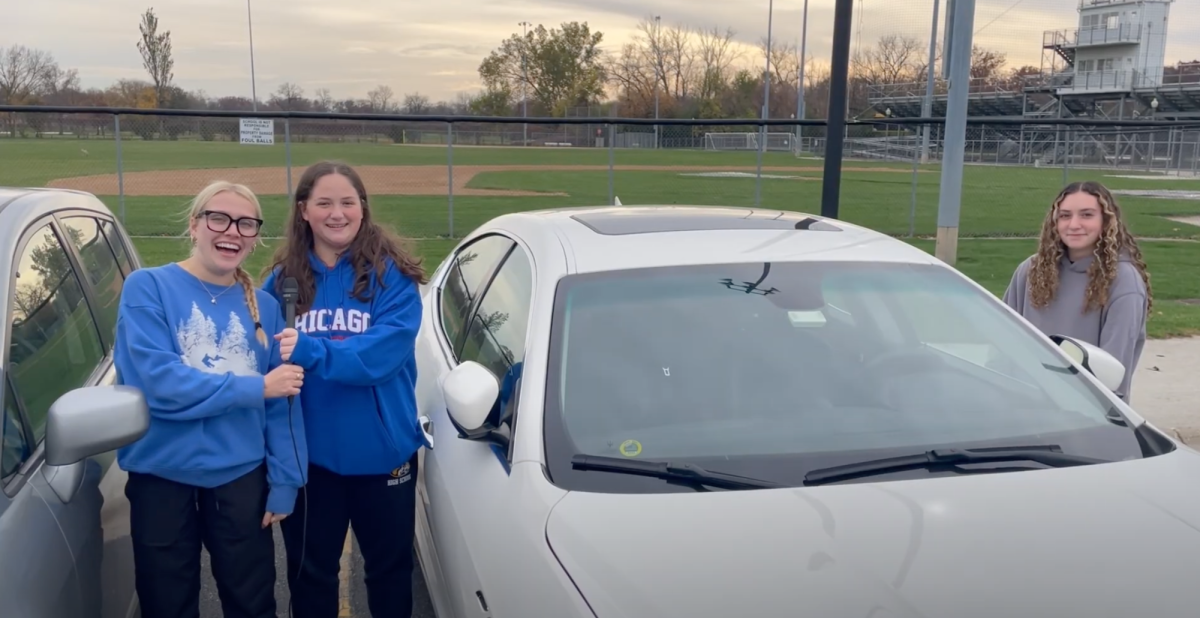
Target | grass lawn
(996,201)
(989,262)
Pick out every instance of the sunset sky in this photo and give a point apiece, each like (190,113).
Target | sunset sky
(435,47)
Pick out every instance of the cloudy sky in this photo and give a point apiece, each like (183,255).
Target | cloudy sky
(435,46)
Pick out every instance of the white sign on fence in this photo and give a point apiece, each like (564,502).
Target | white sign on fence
(259,131)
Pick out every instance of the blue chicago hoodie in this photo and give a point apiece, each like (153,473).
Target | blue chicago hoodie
(201,368)
(360,369)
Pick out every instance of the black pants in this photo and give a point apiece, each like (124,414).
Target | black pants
(382,511)
(168,523)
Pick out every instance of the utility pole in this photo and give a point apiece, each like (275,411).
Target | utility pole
(524,83)
(253,81)
(950,198)
(927,106)
(800,106)
(657,71)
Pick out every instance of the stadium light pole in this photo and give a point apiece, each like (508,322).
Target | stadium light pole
(253,81)
(800,79)
(657,71)
(524,84)
(766,108)
(927,106)
(950,195)
(835,127)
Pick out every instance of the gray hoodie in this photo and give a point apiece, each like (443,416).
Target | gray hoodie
(1119,328)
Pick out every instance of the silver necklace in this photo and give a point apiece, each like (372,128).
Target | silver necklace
(210,294)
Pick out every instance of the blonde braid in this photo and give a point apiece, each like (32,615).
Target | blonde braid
(243,278)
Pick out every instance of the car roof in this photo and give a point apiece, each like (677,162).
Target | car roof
(619,237)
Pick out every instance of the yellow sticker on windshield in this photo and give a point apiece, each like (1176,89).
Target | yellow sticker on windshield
(631,448)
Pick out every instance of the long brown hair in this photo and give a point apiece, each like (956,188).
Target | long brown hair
(370,249)
(1115,238)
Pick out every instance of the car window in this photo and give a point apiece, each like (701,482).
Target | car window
(471,266)
(55,346)
(496,334)
(118,246)
(101,268)
(691,364)
(15,448)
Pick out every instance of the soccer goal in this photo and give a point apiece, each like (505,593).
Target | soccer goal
(749,141)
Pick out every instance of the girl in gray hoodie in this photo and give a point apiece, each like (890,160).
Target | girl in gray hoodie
(1088,279)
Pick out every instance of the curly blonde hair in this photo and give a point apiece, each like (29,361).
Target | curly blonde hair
(1114,239)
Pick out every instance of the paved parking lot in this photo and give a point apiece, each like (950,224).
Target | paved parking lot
(354,601)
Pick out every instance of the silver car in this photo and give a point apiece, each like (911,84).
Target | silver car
(65,549)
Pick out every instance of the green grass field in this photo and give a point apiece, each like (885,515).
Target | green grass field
(997,202)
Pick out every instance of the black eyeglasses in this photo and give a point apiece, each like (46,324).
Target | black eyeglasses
(219,222)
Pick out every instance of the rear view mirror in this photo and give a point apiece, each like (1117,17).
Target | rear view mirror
(470,391)
(1106,368)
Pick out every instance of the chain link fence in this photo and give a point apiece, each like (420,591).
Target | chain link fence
(438,178)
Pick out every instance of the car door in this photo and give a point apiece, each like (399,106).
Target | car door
(53,346)
(103,263)
(482,307)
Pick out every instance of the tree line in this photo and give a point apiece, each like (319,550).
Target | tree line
(689,72)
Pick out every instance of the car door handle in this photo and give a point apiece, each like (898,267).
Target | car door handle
(427,427)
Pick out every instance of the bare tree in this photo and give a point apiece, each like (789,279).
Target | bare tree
(156,56)
(895,59)
(716,56)
(288,97)
(415,104)
(381,99)
(323,100)
(24,73)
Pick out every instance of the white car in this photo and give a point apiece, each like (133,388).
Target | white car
(678,411)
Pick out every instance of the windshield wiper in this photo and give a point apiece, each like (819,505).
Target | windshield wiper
(669,471)
(1045,454)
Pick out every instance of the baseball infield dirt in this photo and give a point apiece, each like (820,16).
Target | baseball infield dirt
(380,179)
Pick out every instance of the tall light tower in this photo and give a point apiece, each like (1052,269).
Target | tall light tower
(800,79)
(253,81)
(657,72)
(766,108)
(524,83)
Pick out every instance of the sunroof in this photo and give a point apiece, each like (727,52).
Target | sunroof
(671,219)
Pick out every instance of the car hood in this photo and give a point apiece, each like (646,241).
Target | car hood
(1119,539)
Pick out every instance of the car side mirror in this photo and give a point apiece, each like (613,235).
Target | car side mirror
(86,422)
(470,390)
(1106,368)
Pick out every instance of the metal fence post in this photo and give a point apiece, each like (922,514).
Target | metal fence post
(287,147)
(762,136)
(450,172)
(916,161)
(1067,147)
(120,171)
(612,201)
(1195,154)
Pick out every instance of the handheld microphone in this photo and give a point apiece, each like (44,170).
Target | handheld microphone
(291,293)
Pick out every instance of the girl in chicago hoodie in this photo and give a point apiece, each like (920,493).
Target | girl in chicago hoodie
(1088,279)
(357,317)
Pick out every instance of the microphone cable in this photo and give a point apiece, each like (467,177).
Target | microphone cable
(291,295)
(304,490)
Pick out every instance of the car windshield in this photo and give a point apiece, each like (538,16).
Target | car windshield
(769,370)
